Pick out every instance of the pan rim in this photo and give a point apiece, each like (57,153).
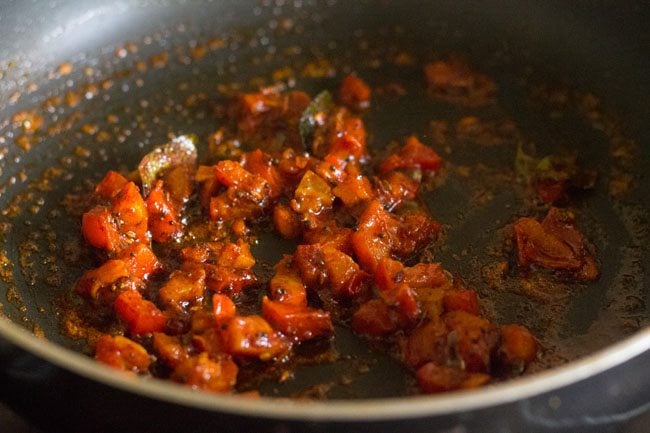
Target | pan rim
(334,410)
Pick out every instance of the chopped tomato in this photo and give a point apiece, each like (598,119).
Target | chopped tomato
(300,322)
(130,211)
(140,260)
(462,300)
(476,338)
(110,185)
(310,261)
(394,188)
(183,289)
(344,275)
(286,286)
(312,195)
(252,336)
(164,218)
(121,353)
(425,343)
(202,372)
(169,348)
(354,190)
(413,154)
(286,222)
(179,182)
(94,280)
(141,316)
(434,378)
(518,346)
(230,281)
(373,239)
(258,163)
(556,243)
(354,93)
(373,318)
(223,307)
(100,229)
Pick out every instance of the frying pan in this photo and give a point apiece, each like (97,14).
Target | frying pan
(105,102)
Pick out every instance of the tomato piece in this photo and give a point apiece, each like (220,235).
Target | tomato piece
(252,336)
(169,348)
(230,255)
(223,307)
(122,353)
(164,218)
(536,245)
(202,372)
(312,195)
(476,339)
(237,256)
(140,315)
(404,300)
(462,300)
(231,281)
(518,346)
(354,92)
(425,343)
(354,190)
(100,229)
(415,231)
(179,182)
(140,260)
(286,286)
(434,378)
(426,275)
(344,275)
(258,163)
(453,80)
(331,235)
(412,155)
(395,188)
(286,222)
(184,288)
(92,281)
(310,261)
(300,322)
(110,185)
(373,318)
(130,211)
(347,139)
(374,237)
(389,272)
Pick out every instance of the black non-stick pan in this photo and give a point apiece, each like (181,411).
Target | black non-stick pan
(89,86)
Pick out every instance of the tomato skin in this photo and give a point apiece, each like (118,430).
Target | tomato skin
(252,336)
(300,322)
(110,185)
(518,347)
(100,230)
(164,218)
(354,93)
(140,315)
(461,300)
(122,353)
(223,307)
(413,154)
(202,372)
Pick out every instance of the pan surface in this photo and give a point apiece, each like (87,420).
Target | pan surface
(110,82)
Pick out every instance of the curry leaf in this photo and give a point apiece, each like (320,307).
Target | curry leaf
(179,151)
(321,104)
